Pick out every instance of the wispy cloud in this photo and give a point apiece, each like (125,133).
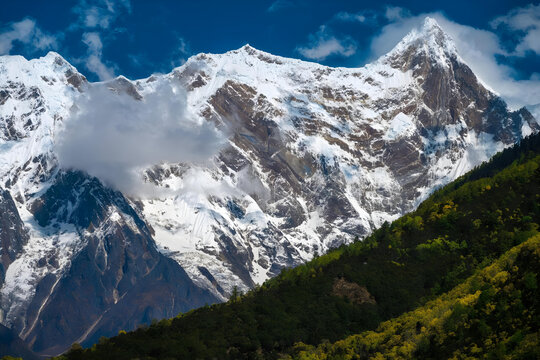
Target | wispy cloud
(395,13)
(526,22)
(478,47)
(100,14)
(323,44)
(93,60)
(373,17)
(94,18)
(180,52)
(280,5)
(27,33)
(368,17)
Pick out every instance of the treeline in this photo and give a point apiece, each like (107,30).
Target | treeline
(460,229)
(526,149)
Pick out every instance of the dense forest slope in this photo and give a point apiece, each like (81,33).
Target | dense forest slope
(410,263)
(493,315)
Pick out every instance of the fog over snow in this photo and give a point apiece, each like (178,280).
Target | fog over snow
(114,136)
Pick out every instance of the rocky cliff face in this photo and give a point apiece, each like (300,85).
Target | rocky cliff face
(13,235)
(319,155)
(315,156)
(77,260)
(11,344)
(117,280)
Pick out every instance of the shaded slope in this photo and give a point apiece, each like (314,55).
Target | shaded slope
(12,345)
(13,235)
(116,280)
(401,265)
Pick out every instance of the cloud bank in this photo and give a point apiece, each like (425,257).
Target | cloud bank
(323,44)
(114,137)
(27,33)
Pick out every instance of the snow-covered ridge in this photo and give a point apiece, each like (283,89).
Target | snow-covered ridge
(430,39)
(381,101)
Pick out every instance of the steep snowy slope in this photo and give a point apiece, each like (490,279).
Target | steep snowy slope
(319,155)
(314,157)
(76,260)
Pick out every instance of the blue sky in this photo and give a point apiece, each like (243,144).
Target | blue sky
(136,38)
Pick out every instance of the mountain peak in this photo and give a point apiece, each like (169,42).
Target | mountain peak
(435,36)
(248,51)
(429,40)
(53,55)
(430,24)
(248,48)
(55,58)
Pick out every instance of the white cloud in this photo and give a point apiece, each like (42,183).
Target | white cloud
(93,41)
(94,61)
(27,33)
(527,21)
(347,16)
(394,13)
(477,47)
(322,45)
(365,16)
(279,5)
(99,14)
(372,17)
(180,53)
(43,41)
(93,18)
(535,110)
(114,136)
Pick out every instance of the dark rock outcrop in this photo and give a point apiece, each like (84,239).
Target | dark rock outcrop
(13,235)
(12,345)
(117,280)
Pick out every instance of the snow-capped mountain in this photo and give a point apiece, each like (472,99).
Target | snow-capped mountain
(314,157)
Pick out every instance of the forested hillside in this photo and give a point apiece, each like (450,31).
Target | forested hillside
(409,264)
(493,315)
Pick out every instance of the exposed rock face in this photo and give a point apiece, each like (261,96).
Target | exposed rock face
(12,345)
(352,291)
(85,265)
(117,280)
(13,235)
(319,155)
(315,156)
